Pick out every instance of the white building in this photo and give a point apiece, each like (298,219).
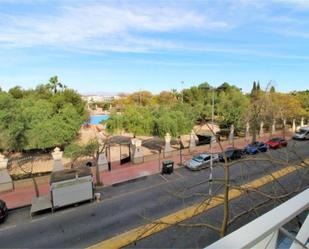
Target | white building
(99,98)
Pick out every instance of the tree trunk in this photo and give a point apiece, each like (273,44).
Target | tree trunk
(254,133)
(97,172)
(283,131)
(36,188)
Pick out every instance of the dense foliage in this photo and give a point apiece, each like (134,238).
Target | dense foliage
(152,120)
(40,118)
(142,113)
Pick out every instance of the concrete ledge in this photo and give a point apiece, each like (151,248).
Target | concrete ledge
(6,183)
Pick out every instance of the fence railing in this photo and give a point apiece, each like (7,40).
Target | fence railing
(263,231)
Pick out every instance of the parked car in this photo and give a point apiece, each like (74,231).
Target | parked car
(277,142)
(3,211)
(255,147)
(302,133)
(201,161)
(231,154)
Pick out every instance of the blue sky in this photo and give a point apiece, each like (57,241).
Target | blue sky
(125,46)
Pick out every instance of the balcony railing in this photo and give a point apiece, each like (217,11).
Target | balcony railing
(263,232)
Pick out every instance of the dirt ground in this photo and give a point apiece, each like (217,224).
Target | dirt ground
(119,149)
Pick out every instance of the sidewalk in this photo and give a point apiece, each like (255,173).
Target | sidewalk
(24,191)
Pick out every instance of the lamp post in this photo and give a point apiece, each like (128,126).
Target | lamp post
(212,128)
(212,137)
(182,82)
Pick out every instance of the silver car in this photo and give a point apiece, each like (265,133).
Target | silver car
(201,161)
(302,133)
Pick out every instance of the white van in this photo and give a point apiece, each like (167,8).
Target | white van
(302,133)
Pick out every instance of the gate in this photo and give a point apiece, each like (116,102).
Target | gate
(125,158)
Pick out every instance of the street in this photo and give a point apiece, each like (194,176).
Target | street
(129,205)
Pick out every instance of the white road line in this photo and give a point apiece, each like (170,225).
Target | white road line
(164,178)
(38,219)
(178,174)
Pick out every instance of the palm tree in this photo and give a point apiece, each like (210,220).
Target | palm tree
(54,84)
(175,93)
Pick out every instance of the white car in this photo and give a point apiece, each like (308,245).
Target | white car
(201,161)
(302,133)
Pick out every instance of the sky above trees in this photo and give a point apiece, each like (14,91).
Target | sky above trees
(125,46)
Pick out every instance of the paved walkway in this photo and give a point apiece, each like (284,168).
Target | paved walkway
(24,191)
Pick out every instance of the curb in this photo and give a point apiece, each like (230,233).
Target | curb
(20,207)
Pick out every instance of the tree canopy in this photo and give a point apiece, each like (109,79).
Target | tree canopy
(40,118)
(142,113)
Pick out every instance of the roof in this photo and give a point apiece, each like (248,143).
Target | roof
(69,174)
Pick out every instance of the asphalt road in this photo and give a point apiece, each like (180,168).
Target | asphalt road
(129,205)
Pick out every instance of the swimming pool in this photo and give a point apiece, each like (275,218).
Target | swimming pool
(96,119)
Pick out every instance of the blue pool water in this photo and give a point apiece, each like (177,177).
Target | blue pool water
(96,119)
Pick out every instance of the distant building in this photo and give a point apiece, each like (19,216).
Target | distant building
(99,98)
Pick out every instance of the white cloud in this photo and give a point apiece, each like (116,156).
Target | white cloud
(101,26)
(295,3)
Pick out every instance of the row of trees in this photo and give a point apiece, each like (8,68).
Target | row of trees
(176,112)
(49,115)
(153,120)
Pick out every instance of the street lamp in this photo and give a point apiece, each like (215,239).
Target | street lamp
(182,82)
(212,128)
(212,137)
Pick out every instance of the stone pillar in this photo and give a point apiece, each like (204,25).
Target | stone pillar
(57,156)
(137,151)
(302,122)
(247,134)
(261,129)
(294,126)
(6,183)
(167,147)
(273,127)
(231,136)
(102,162)
(192,144)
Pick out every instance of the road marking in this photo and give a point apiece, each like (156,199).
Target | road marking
(7,227)
(38,219)
(163,177)
(158,225)
(180,175)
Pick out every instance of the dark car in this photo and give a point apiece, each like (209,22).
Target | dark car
(231,154)
(277,142)
(255,147)
(3,211)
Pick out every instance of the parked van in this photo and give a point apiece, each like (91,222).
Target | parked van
(302,133)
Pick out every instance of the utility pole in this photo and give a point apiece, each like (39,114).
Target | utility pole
(211,140)
(139,94)
(182,82)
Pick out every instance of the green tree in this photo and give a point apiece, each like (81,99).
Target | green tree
(17,92)
(74,151)
(54,85)
(153,121)
(272,89)
(138,120)
(37,119)
(303,98)
(232,107)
